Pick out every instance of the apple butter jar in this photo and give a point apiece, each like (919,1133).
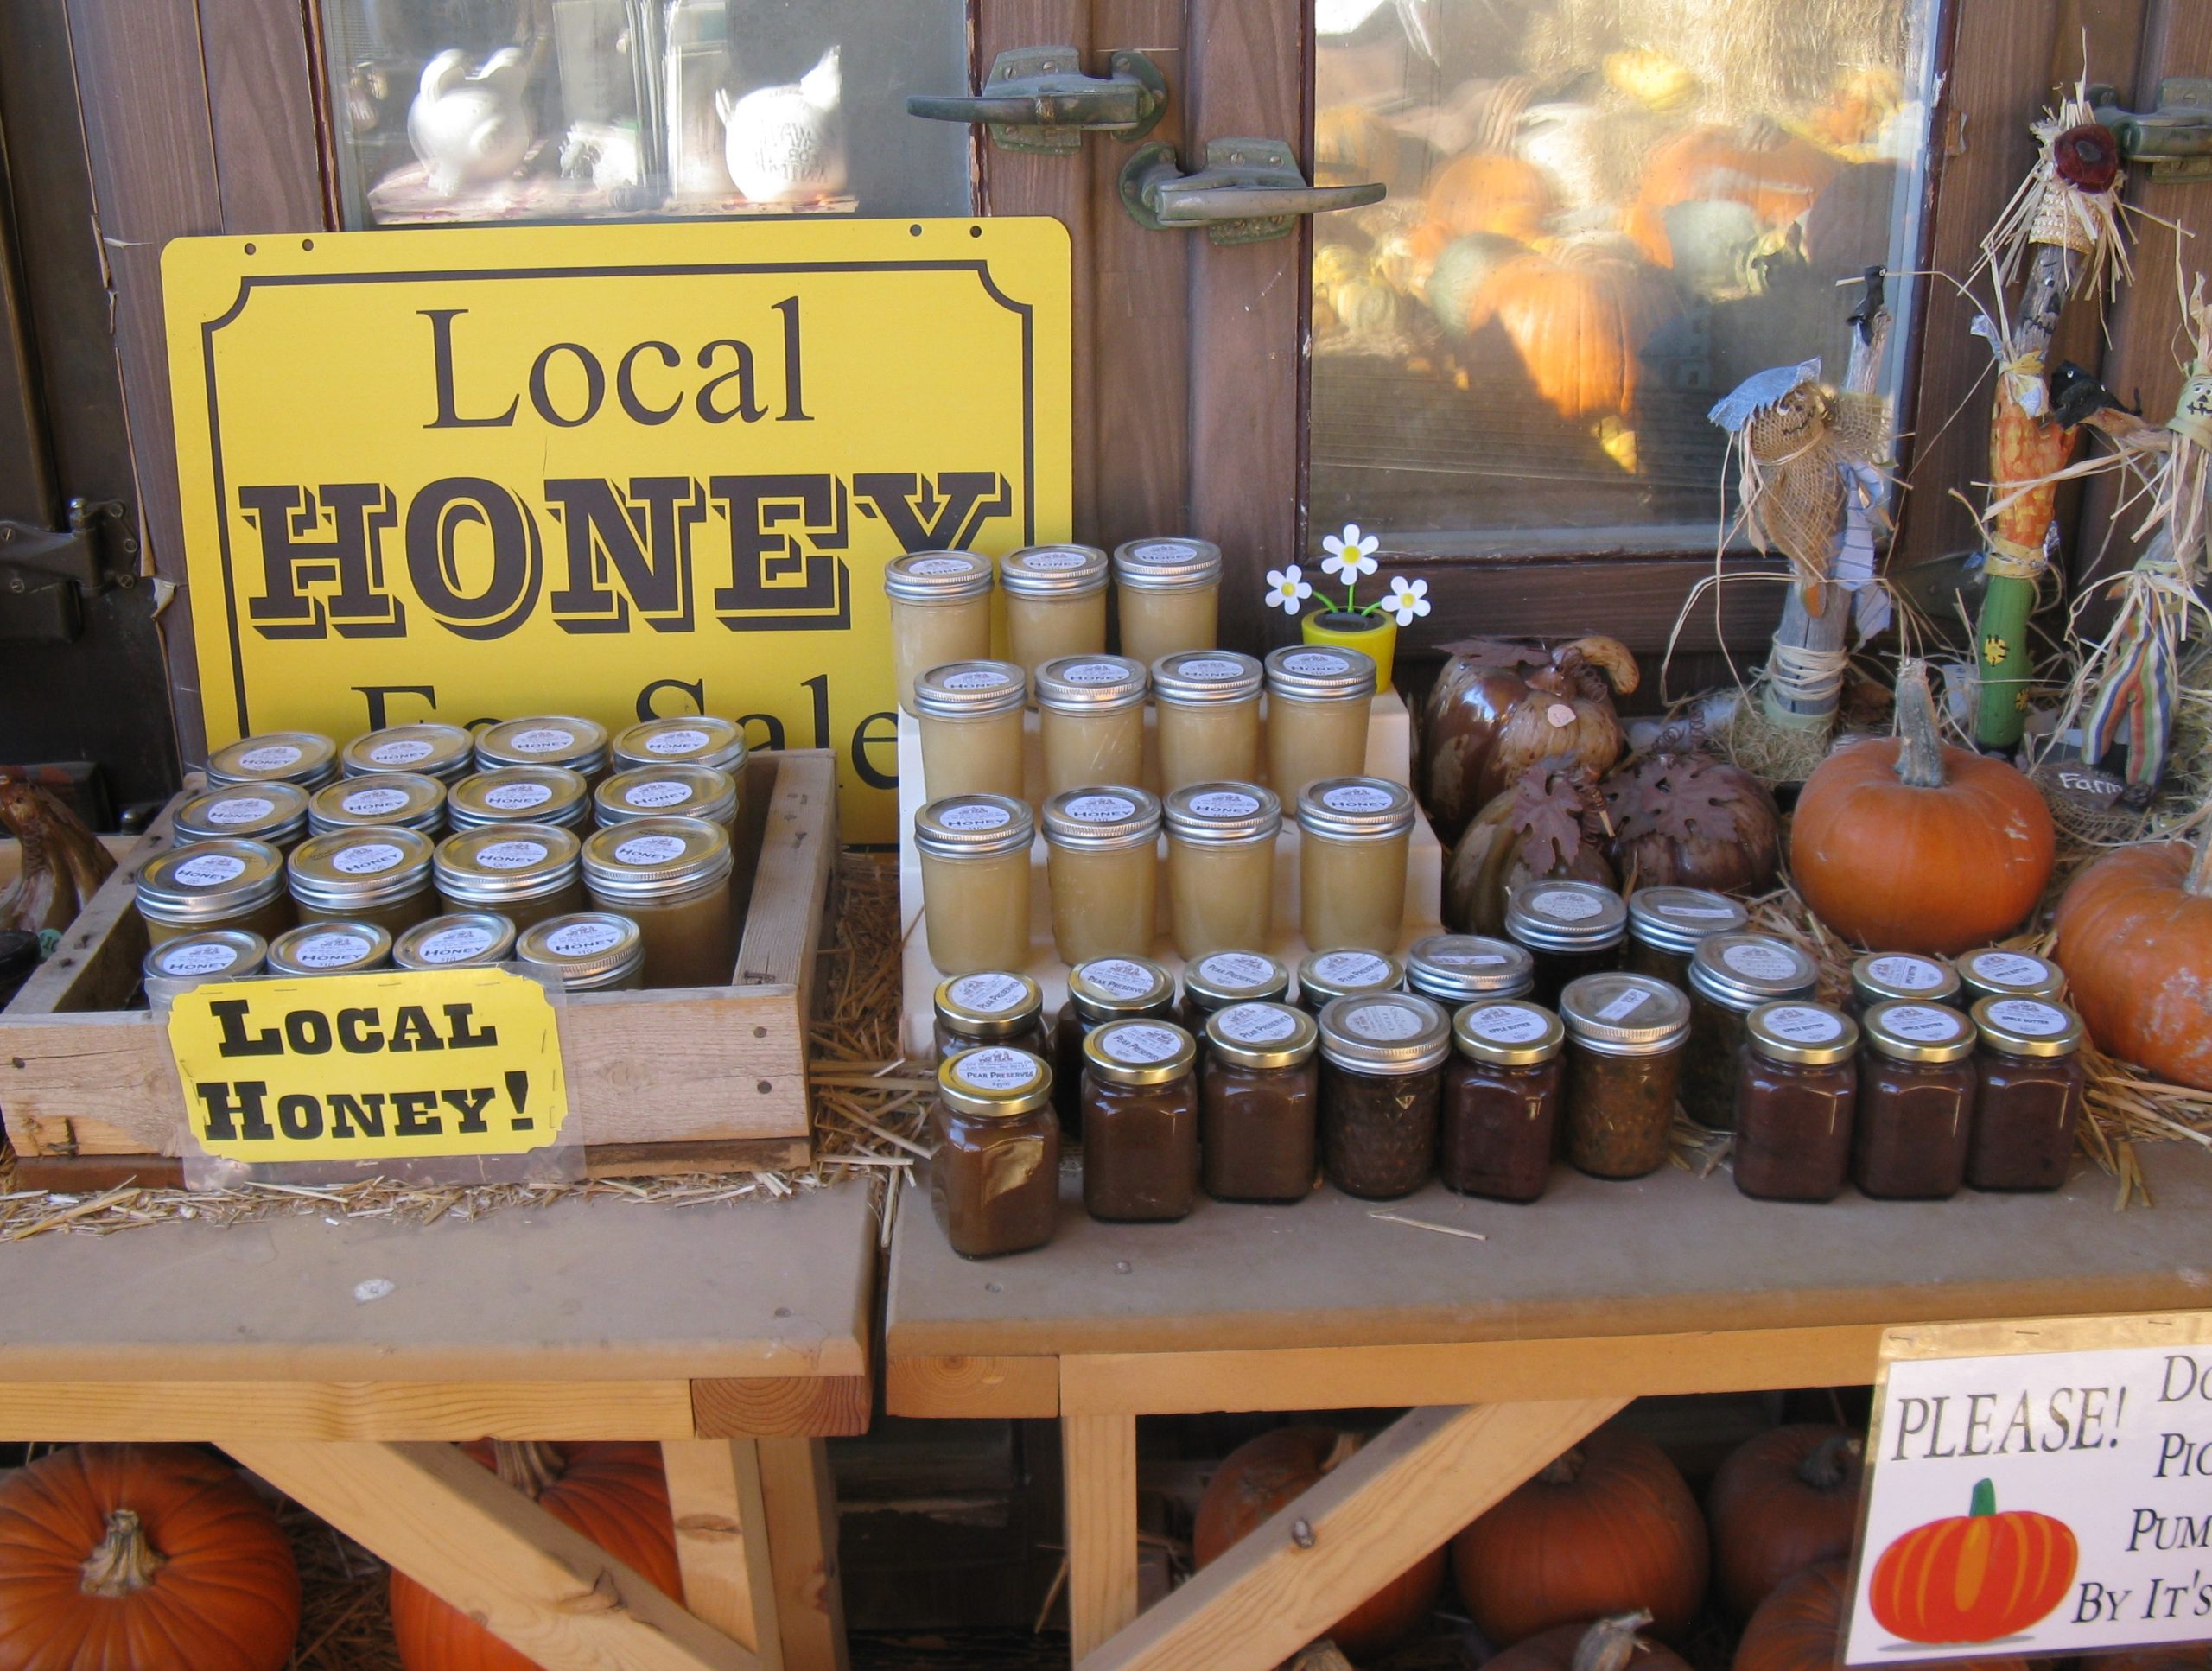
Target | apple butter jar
(447,752)
(1667,925)
(1353,837)
(1502,1099)
(1319,698)
(1999,974)
(696,739)
(1882,976)
(1795,1094)
(1346,972)
(526,872)
(2032,1094)
(461,939)
(1168,592)
(562,740)
(587,950)
(329,948)
(1139,1122)
(1259,1096)
(214,954)
(1570,929)
(1206,709)
(996,1007)
(380,875)
(1091,721)
(1730,976)
(995,1181)
(671,877)
(1916,1086)
(940,613)
(1624,1038)
(1055,604)
(1102,990)
(970,716)
(1221,978)
(1221,866)
(304,758)
(660,791)
(974,851)
(519,794)
(1461,969)
(1101,858)
(407,799)
(1381,1089)
(275,814)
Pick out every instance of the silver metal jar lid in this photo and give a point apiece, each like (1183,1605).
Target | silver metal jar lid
(1139,1051)
(974,827)
(590,951)
(1221,814)
(497,863)
(1621,1015)
(213,954)
(1453,968)
(1885,975)
(1391,1033)
(408,799)
(1232,977)
(1996,973)
(1676,919)
(1355,809)
(1091,684)
(306,758)
(327,948)
(656,792)
(1101,818)
(990,1004)
(1119,986)
(518,794)
(1746,970)
(1918,1030)
(272,812)
(1563,915)
(1167,562)
(1508,1032)
(1318,673)
(1802,1034)
(209,882)
(1254,1033)
(447,752)
(656,860)
(994,1082)
(937,577)
(1345,971)
(545,740)
(461,939)
(349,870)
(2027,1027)
(1200,678)
(683,739)
(971,690)
(1053,571)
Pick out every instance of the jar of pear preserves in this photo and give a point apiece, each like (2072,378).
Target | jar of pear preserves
(1382,1092)
(1917,1089)
(1353,837)
(306,759)
(1259,1102)
(526,872)
(1730,976)
(2030,1102)
(1055,603)
(1206,711)
(329,948)
(693,740)
(381,874)
(576,745)
(589,950)
(1624,1038)
(1319,700)
(1667,925)
(1221,866)
(212,954)
(940,613)
(671,877)
(461,939)
(1346,972)
(409,800)
(970,715)
(1881,976)
(1091,719)
(995,1181)
(1105,989)
(974,853)
(662,792)
(1139,1122)
(274,813)
(519,794)
(1795,1095)
(1569,929)
(1502,1099)
(1102,863)
(447,752)
(1221,978)
(997,1006)
(1168,590)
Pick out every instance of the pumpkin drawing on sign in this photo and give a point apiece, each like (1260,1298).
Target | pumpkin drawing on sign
(1978,1577)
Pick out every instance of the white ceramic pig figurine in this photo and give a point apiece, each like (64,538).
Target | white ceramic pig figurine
(469,127)
(787,144)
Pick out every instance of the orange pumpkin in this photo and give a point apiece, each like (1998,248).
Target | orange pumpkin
(1490,192)
(1608,1529)
(1260,1477)
(1798,1627)
(1578,325)
(2135,940)
(142,1558)
(1772,172)
(1605,1645)
(1780,1503)
(614,1493)
(1975,1577)
(1909,844)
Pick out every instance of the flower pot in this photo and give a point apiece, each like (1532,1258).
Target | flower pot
(1376,635)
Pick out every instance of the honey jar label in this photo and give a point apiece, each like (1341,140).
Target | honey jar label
(518,797)
(517,855)
(1224,804)
(269,757)
(455,945)
(582,939)
(1100,809)
(979,678)
(1119,978)
(940,566)
(1760,963)
(1350,969)
(1386,1024)
(1355,797)
(2028,1017)
(1316,661)
(367,859)
(994,1067)
(374,802)
(1141,1046)
(1054,560)
(197,959)
(1158,551)
(662,791)
(543,740)
(210,870)
(1091,673)
(240,809)
(1507,1024)
(684,740)
(1922,1022)
(1906,974)
(650,849)
(1209,667)
(978,816)
(406,752)
(1625,1005)
(988,994)
(1257,1024)
(329,950)
(1802,1024)
(1562,905)
(2012,968)
(1235,968)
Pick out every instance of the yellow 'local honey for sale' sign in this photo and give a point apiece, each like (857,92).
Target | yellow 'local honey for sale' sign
(404,1063)
(621,471)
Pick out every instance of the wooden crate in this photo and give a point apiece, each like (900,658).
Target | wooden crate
(680,1079)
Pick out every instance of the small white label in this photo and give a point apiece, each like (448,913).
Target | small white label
(331,950)
(1256,1024)
(1315,661)
(1507,1024)
(1093,673)
(1562,905)
(976,678)
(941,566)
(686,740)
(1099,809)
(2009,969)
(1923,1022)
(518,797)
(543,740)
(975,816)
(1700,913)
(511,855)
(661,792)
(650,849)
(1466,959)
(374,802)
(1209,667)
(1906,974)
(1386,1024)
(452,945)
(583,939)
(1351,969)
(996,1067)
(1761,962)
(403,752)
(210,870)
(988,994)
(1160,551)
(1801,1024)
(1236,969)
(239,809)
(1119,978)
(269,757)
(1625,1005)
(367,859)
(1141,1046)
(1356,797)
(1224,804)
(198,960)
(1559,715)
(1051,560)
(2028,1017)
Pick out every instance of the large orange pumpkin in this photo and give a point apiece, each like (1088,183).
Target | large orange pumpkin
(1604,1645)
(2135,940)
(614,1493)
(1608,1529)
(1974,1577)
(142,1558)
(1262,1475)
(1771,172)
(1780,1503)
(1580,325)
(1909,844)
(1490,192)
(1797,1628)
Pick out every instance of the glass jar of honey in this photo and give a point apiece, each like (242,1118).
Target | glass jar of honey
(1730,976)
(693,740)
(408,800)
(1102,856)
(306,759)
(461,939)
(1462,969)
(1353,838)
(1346,972)
(1055,603)
(997,1006)
(1624,1038)
(940,613)
(587,950)
(526,872)
(1881,976)
(1996,973)
(671,877)
(1139,1122)
(970,716)
(1796,1093)
(995,1181)
(1382,1092)
(563,740)
(212,954)
(1091,721)
(1221,866)
(1666,925)
(974,851)
(1319,699)
(1916,1087)
(329,948)
(273,813)
(447,752)
(666,792)
(2031,1096)
(519,794)
(381,875)
(1569,929)
(1207,710)
(1259,1102)
(1105,989)
(1168,590)
(1502,1099)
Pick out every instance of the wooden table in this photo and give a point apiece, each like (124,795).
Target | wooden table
(334,1358)
(1511,1348)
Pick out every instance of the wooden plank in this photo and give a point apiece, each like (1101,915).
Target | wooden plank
(547,1592)
(1007,1389)
(219,1411)
(801,1407)
(802,1505)
(673,1159)
(96,965)
(799,851)
(261,104)
(1098,1467)
(721,1540)
(1643,598)
(1423,1478)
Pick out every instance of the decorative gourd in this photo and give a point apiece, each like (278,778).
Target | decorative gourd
(1579,326)
(1796,1627)
(1781,1503)
(1973,1578)
(1546,825)
(1503,704)
(1691,820)
(1261,1475)
(1465,265)
(614,1493)
(2135,940)
(1910,844)
(1490,192)
(1769,170)
(1607,1645)
(142,1558)
(1609,1527)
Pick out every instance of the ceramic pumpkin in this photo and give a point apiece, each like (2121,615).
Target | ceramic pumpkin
(1798,1627)
(1771,172)
(142,1558)
(1579,326)
(1910,844)
(1547,825)
(1784,1501)
(1490,192)
(1977,1577)
(2135,940)
(1604,1645)
(1691,820)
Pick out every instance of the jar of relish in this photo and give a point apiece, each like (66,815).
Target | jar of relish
(1666,925)
(1625,1039)
(1381,1091)
(1571,928)
(1795,1094)
(2031,1095)
(1730,976)
(1502,1099)
(1916,1087)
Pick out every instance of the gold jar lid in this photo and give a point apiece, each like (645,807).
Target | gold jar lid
(447,752)
(1915,1030)
(306,758)
(665,792)
(1347,971)
(544,740)
(683,739)
(498,862)
(273,812)
(209,882)
(518,794)
(1508,1032)
(1884,975)
(1997,973)
(1261,1034)
(461,939)
(589,949)
(1139,1051)
(411,799)
(994,1081)
(2027,1027)
(1806,1034)
(329,948)
(1107,986)
(213,954)
(1232,977)
(992,1004)
(349,870)
(656,860)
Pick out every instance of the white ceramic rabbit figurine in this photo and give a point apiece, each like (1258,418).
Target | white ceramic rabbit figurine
(469,127)
(787,144)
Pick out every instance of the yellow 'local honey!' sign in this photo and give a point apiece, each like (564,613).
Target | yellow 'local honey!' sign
(615,471)
(400,1064)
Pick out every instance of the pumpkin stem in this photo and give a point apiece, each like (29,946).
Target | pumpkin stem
(1984,1498)
(125,1562)
(1920,746)
(2199,883)
(1609,1644)
(529,1465)
(1346,1448)
(1563,1470)
(1830,1463)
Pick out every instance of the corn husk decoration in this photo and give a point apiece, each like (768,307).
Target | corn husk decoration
(2071,198)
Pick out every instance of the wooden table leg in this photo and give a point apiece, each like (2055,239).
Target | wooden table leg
(721,1540)
(1098,1466)
(801,1500)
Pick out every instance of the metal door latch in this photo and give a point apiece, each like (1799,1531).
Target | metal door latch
(1250,190)
(2175,139)
(1037,99)
(46,574)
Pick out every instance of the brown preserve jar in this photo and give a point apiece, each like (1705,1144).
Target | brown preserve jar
(1139,1122)
(1571,928)
(1625,1039)
(1502,1099)
(995,1008)
(1795,1094)
(1221,978)
(2032,1094)
(1324,976)
(1730,976)
(1917,1085)
(994,1181)
(1666,925)
(1381,1090)
(1259,1102)
(1101,990)
(1882,976)
(1997,973)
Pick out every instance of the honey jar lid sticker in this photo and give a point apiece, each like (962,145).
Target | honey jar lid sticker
(454,945)
(202,959)
(518,797)
(269,757)
(328,950)
(369,803)
(238,809)
(650,849)
(684,740)
(367,858)
(209,870)
(403,751)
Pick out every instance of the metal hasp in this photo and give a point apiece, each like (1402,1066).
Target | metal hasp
(1037,99)
(1250,190)
(2175,139)
(45,575)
